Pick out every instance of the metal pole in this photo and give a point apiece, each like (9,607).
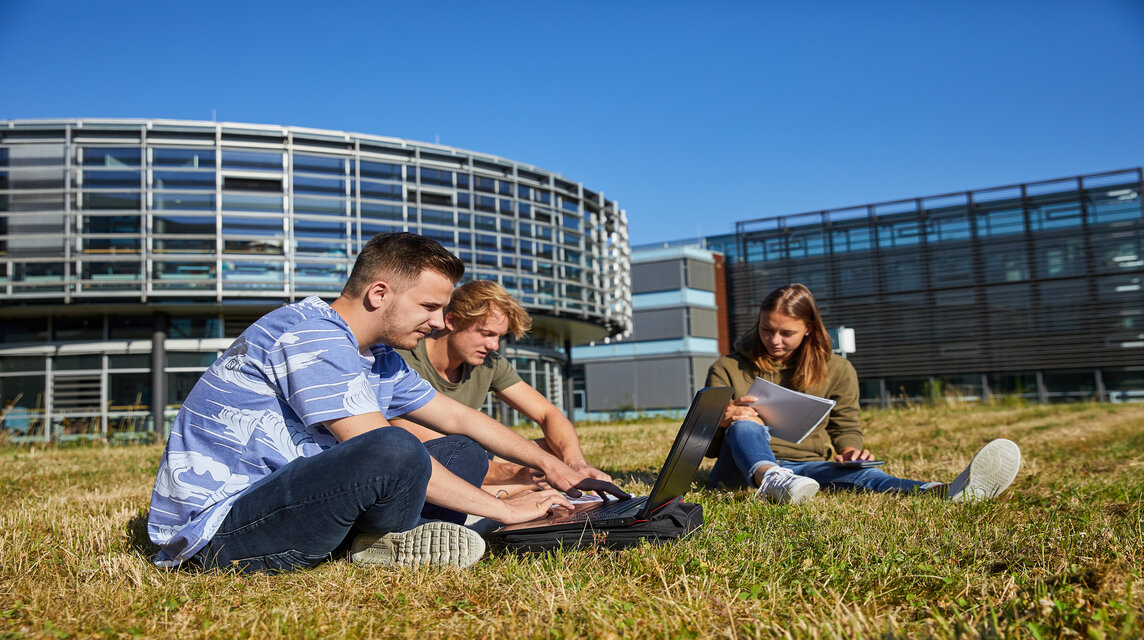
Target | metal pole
(158,377)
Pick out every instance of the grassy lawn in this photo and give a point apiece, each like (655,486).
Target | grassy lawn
(1060,554)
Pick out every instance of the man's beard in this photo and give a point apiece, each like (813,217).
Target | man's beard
(391,333)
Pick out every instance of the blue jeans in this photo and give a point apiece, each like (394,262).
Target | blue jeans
(747,446)
(465,458)
(304,512)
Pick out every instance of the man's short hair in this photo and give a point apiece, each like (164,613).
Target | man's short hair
(474,300)
(399,259)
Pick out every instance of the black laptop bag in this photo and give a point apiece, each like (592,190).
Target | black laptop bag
(671,522)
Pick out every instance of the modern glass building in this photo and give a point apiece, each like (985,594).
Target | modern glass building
(1030,289)
(133,251)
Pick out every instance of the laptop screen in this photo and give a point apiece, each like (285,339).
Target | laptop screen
(690,444)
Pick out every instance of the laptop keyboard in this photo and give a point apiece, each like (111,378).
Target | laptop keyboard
(610,509)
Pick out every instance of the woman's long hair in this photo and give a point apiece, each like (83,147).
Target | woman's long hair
(809,360)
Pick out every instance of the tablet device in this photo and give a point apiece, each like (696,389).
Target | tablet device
(859,464)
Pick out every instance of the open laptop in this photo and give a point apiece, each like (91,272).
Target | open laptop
(673,482)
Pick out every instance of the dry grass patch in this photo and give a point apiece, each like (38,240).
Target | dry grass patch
(1059,555)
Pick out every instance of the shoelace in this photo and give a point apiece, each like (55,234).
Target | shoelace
(778,478)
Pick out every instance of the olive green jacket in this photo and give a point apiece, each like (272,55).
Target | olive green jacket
(841,428)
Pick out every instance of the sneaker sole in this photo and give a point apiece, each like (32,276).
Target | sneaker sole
(802,492)
(429,544)
(990,472)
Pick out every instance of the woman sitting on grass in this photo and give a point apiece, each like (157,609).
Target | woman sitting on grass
(789,346)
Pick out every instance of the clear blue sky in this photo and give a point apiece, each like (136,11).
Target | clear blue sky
(691,115)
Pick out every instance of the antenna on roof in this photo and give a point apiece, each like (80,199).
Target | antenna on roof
(213,118)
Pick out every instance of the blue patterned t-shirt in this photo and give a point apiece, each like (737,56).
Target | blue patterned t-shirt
(262,405)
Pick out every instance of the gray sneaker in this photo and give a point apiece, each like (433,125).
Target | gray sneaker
(990,472)
(432,543)
(781,485)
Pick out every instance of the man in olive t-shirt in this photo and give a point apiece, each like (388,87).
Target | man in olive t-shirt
(462,362)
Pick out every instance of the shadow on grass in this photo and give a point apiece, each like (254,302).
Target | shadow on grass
(137,538)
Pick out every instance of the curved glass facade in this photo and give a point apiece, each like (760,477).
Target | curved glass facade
(113,230)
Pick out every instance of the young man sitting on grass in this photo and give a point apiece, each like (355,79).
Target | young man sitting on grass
(283,453)
(461,361)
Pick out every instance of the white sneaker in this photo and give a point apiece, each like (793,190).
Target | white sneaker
(990,472)
(781,485)
(432,543)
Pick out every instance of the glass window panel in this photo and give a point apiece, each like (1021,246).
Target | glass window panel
(382,211)
(319,186)
(22,330)
(488,223)
(195,158)
(329,230)
(381,170)
(272,275)
(112,179)
(898,234)
(319,164)
(179,385)
(184,270)
(1060,215)
(319,247)
(78,328)
(462,181)
(370,229)
(1115,205)
(252,160)
(381,190)
(856,276)
(434,216)
(1005,262)
(18,202)
(334,274)
(436,177)
(183,245)
(486,203)
(488,185)
(191,359)
(95,200)
(248,245)
(72,363)
(30,155)
(172,224)
(112,156)
(486,241)
(440,235)
(184,179)
(189,327)
(10,364)
(320,206)
(951,267)
(130,327)
(271,227)
(1060,257)
(464,200)
(1000,222)
(34,178)
(111,224)
(183,201)
(118,244)
(947,228)
(231,202)
(111,271)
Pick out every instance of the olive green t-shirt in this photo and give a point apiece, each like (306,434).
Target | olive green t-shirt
(494,374)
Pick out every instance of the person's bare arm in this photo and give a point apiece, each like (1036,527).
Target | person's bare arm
(446,415)
(559,434)
(446,489)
